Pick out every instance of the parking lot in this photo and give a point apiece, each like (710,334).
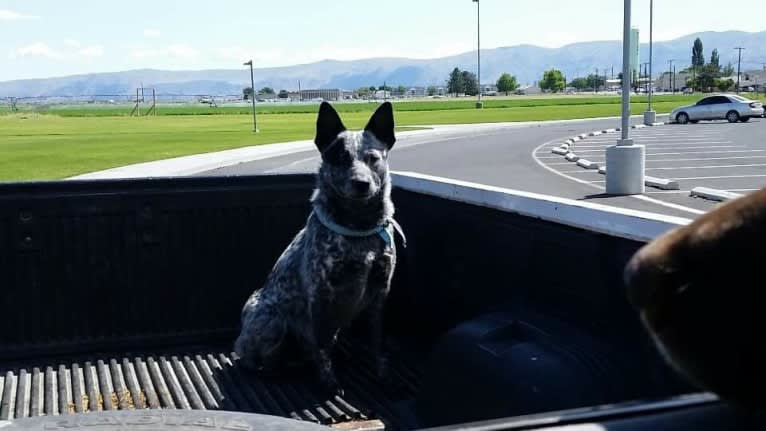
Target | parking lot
(719,155)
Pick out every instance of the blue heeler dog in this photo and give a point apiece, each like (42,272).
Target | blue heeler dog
(339,265)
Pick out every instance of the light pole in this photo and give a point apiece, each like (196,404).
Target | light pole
(479,105)
(625,161)
(252,94)
(739,63)
(650,116)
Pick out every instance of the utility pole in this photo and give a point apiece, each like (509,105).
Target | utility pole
(651,59)
(739,64)
(479,105)
(252,94)
(670,74)
(300,95)
(674,79)
(595,82)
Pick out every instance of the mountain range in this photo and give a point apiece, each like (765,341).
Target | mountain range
(527,62)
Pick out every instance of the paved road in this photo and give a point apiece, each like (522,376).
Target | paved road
(719,155)
(502,157)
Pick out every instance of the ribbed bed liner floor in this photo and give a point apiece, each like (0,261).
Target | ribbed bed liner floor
(210,379)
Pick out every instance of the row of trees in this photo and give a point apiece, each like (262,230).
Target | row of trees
(465,82)
(706,77)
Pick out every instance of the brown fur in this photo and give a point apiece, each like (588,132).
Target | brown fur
(701,292)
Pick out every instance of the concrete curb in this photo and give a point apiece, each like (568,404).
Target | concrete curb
(661,183)
(582,135)
(560,151)
(587,164)
(596,133)
(564,146)
(602,170)
(713,194)
(638,126)
(572,157)
(659,123)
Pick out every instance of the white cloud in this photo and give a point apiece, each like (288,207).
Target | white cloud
(92,51)
(9,15)
(72,43)
(37,49)
(152,33)
(182,51)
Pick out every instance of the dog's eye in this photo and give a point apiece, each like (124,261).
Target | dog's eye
(371,158)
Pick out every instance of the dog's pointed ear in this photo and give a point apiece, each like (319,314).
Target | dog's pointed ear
(382,124)
(329,125)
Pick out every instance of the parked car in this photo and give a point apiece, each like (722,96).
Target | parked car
(729,107)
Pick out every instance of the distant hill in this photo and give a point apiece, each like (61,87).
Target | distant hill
(527,62)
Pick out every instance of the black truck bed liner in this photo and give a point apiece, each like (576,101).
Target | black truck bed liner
(208,379)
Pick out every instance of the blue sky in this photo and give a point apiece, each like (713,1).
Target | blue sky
(41,38)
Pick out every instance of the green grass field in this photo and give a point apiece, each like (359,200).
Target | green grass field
(66,142)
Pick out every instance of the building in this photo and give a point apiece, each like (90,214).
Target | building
(635,51)
(321,93)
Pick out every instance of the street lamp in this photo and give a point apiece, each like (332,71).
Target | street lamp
(625,161)
(479,105)
(252,94)
(650,116)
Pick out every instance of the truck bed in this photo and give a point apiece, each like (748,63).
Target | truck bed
(209,378)
(127,294)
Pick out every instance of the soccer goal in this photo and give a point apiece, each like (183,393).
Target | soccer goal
(145,103)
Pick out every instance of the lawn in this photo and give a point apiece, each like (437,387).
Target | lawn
(47,146)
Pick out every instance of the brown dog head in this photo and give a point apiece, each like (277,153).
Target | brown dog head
(701,292)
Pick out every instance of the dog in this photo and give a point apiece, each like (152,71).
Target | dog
(701,293)
(339,265)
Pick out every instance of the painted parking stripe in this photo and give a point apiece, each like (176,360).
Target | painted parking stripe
(702,159)
(720,177)
(681,144)
(676,154)
(667,148)
(670,192)
(749,165)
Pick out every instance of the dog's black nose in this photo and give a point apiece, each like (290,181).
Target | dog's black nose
(360,186)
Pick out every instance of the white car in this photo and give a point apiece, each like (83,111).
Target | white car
(729,107)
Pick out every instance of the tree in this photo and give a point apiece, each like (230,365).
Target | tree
(247,92)
(553,81)
(579,83)
(698,58)
(595,81)
(507,83)
(402,90)
(385,88)
(266,90)
(431,91)
(470,83)
(724,84)
(455,83)
(715,59)
(373,88)
(728,70)
(283,94)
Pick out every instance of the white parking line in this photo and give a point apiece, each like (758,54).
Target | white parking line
(720,177)
(670,148)
(682,144)
(750,165)
(591,184)
(668,192)
(676,154)
(702,159)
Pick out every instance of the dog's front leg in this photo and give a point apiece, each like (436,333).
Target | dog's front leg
(322,340)
(377,335)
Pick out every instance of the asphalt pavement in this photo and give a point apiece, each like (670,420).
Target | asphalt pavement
(502,157)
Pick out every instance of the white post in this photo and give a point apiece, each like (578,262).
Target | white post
(625,161)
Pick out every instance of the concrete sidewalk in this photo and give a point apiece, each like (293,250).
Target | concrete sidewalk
(189,165)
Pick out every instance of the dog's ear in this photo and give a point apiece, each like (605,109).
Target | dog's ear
(329,125)
(382,124)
